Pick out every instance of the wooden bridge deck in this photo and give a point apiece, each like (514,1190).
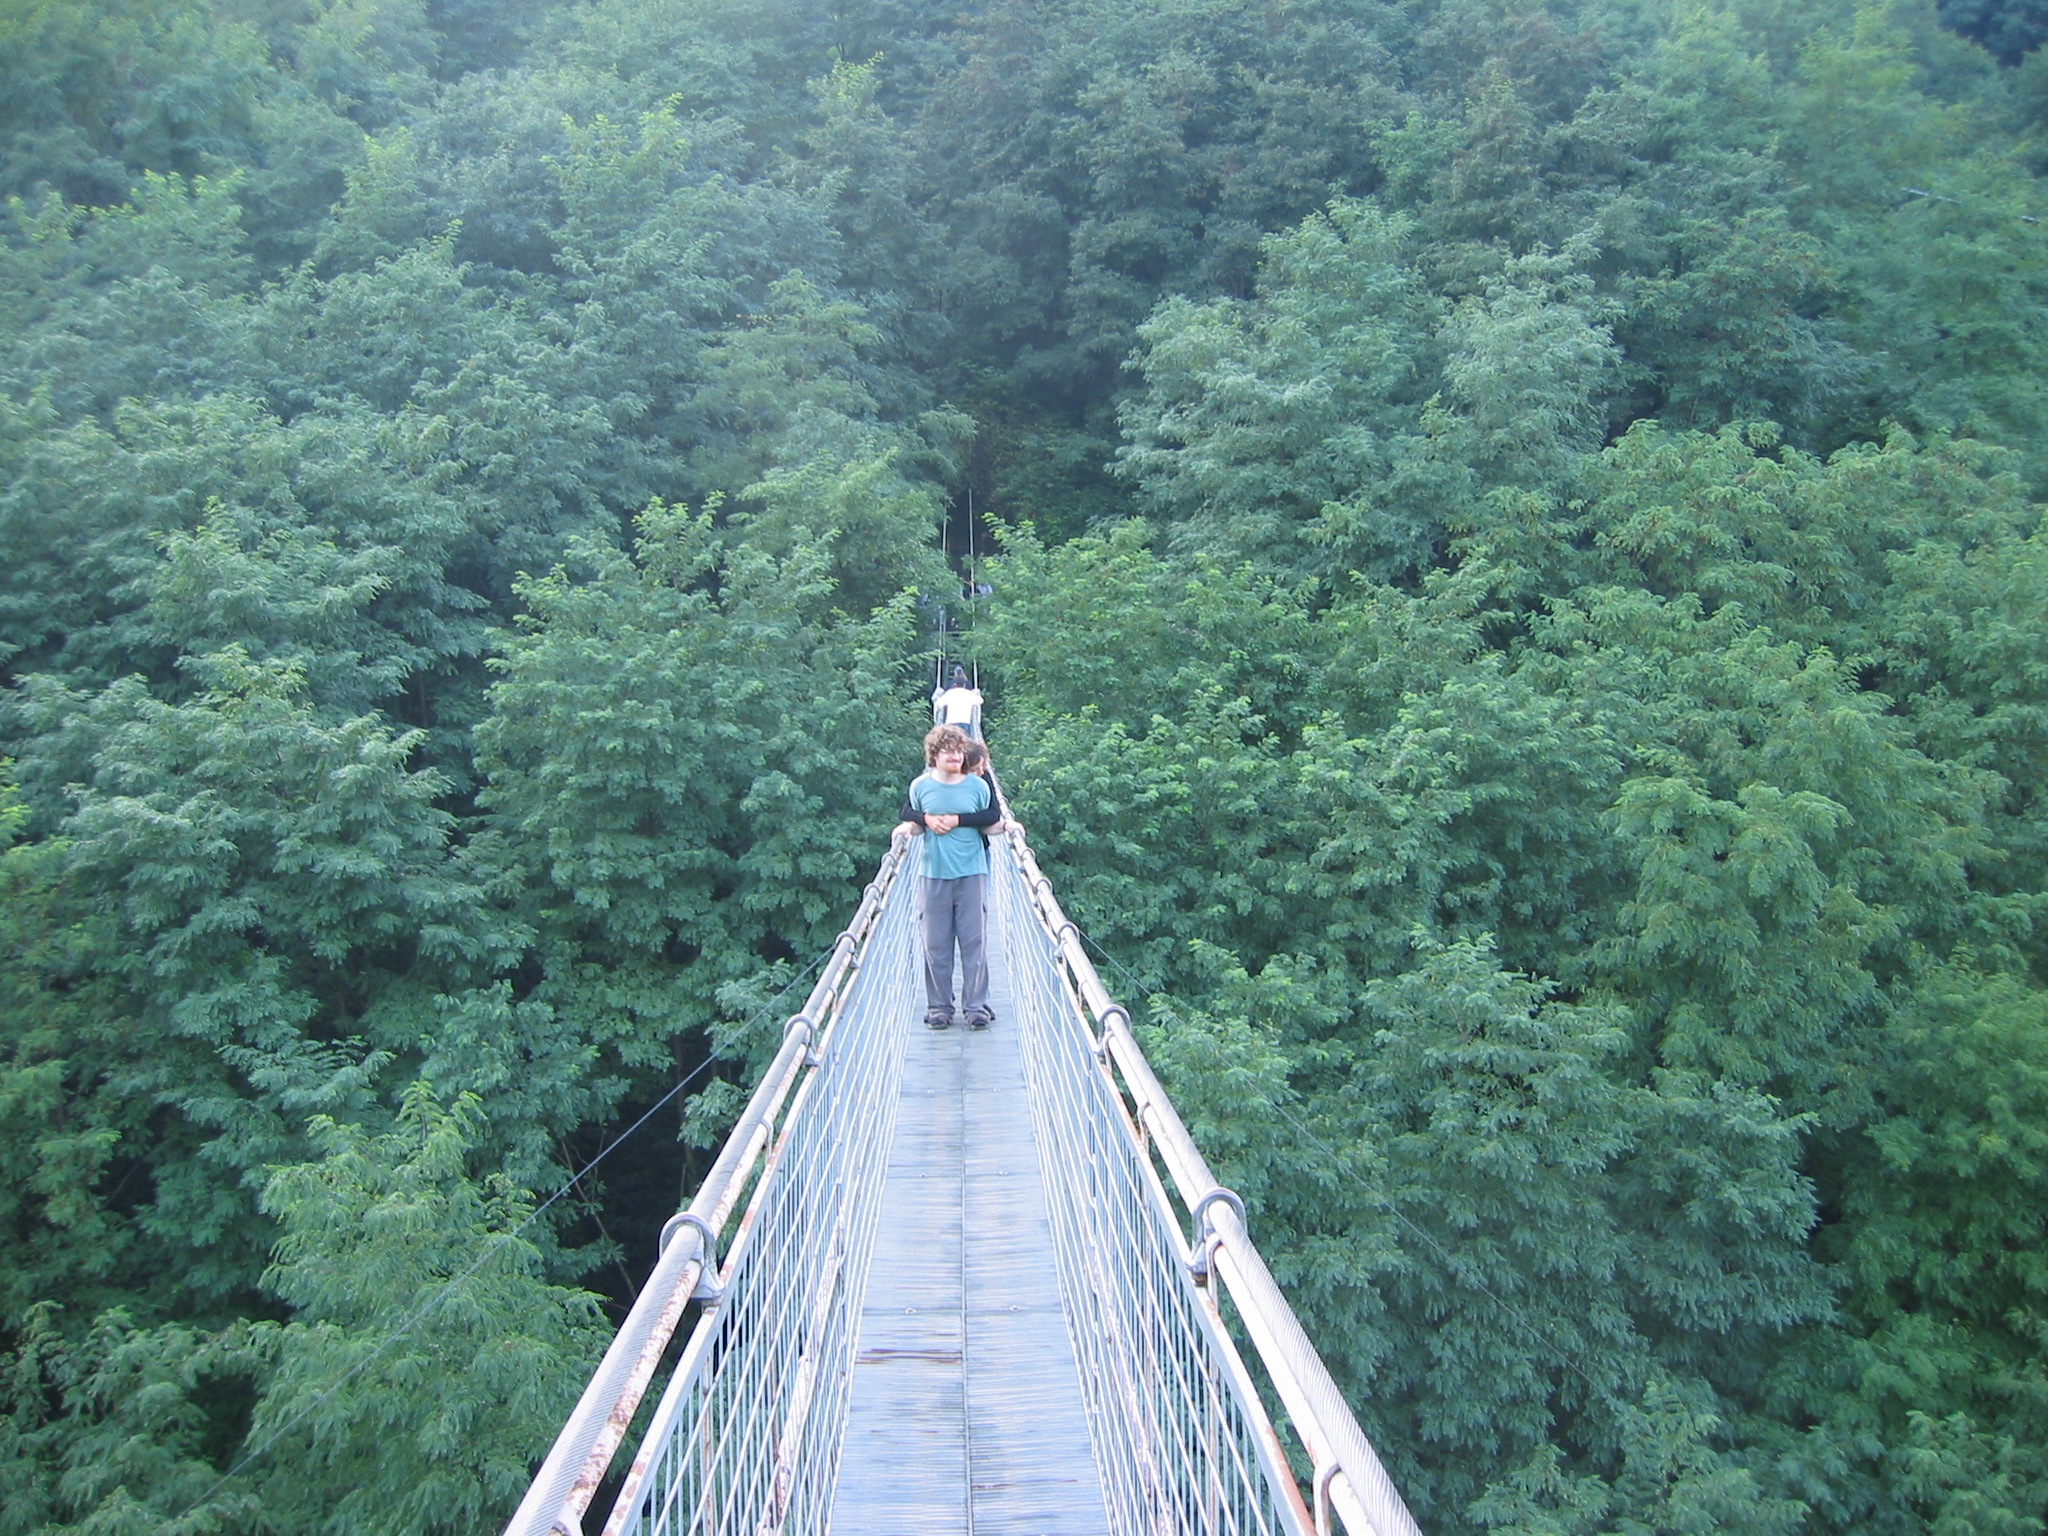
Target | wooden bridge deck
(966,1414)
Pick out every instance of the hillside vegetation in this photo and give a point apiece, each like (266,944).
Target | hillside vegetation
(1520,629)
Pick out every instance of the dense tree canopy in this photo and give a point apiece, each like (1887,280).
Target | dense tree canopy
(1521,628)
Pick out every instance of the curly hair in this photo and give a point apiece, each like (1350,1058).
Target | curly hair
(941,738)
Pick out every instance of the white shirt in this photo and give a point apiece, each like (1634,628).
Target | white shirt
(956,706)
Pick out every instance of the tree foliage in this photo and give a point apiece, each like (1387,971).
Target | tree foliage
(1520,621)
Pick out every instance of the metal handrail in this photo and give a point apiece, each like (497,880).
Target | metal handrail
(1349,1474)
(583,1452)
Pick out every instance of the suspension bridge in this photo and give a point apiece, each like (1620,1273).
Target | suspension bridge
(977,1283)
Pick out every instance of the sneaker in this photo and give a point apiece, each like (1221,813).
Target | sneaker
(938,1021)
(979,1020)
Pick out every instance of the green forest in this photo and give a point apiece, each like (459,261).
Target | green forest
(1519,629)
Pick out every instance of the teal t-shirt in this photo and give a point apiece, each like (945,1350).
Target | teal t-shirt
(960,852)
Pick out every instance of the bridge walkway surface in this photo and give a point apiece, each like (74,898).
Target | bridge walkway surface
(962,1282)
(966,1412)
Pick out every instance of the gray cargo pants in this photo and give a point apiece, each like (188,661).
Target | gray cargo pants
(955,912)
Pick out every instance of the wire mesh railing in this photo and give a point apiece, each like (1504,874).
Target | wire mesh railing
(1179,1437)
(745,1436)
(1182,1436)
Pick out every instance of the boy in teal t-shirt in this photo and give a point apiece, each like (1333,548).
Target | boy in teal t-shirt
(955,886)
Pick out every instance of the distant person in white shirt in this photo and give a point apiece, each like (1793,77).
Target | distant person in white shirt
(958,704)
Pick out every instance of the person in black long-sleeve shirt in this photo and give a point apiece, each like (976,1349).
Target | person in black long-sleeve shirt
(983,821)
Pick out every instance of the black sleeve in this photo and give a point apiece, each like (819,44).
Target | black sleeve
(987,816)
